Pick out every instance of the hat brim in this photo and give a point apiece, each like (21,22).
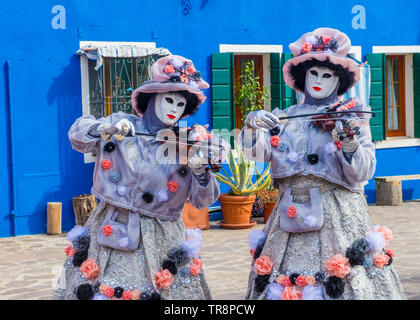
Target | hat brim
(346,63)
(159,87)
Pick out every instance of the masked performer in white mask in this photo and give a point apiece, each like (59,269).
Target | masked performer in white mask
(319,242)
(134,245)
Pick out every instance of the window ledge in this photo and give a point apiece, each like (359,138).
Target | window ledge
(399,142)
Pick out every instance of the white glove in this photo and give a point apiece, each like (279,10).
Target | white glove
(349,145)
(198,163)
(261,119)
(125,127)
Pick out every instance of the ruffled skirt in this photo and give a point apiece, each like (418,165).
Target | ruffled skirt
(134,270)
(346,219)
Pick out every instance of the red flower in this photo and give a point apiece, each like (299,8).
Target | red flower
(381,260)
(169,69)
(275,140)
(106,290)
(390,252)
(338,144)
(263,266)
(89,269)
(67,250)
(291,293)
(301,281)
(163,279)
(126,295)
(251,252)
(285,282)
(184,78)
(198,262)
(107,230)
(191,69)
(173,186)
(351,104)
(106,164)
(326,39)
(292,212)
(306,47)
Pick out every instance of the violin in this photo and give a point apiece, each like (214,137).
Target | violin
(195,139)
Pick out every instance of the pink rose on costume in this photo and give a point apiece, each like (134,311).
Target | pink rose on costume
(191,69)
(301,281)
(291,293)
(310,280)
(126,295)
(184,78)
(198,262)
(169,68)
(338,266)
(69,251)
(292,212)
(274,141)
(381,260)
(163,279)
(107,230)
(326,39)
(263,266)
(338,144)
(285,282)
(279,279)
(306,47)
(195,269)
(390,252)
(386,232)
(173,186)
(135,294)
(106,290)
(89,269)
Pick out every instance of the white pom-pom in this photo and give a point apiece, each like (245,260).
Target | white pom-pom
(274,291)
(312,293)
(376,241)
(310,221)
(123,242)
(192,247)
(254,237)
(194,234)
(162,195)
(75,233)
(100,297)
(292,157)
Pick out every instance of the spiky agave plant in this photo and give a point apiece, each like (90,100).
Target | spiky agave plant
(243,170)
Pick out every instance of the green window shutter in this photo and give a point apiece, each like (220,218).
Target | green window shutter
(276,76)
(377,94)
(289,95)
(222,84)
(416,88)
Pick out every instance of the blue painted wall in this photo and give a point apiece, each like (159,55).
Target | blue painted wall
(45,75)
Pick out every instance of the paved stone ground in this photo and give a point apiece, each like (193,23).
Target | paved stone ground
(29,265)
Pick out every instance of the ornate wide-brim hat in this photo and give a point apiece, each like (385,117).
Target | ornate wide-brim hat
(170,74)
(321,44)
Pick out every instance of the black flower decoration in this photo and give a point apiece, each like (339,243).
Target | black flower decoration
(334,287)
(197,74)
(170,265)
(313,158)
(96,287)
(84,292)
(183,171)
(178,255)
(355,255)
(118,292)
(319,277)
(259,249)
(361,244)
(293,277)
(261,282)
(109,147)
(79,257)
(175,79)
(150,296)
(275,131)
(390,259)
(148,197)
(82,243)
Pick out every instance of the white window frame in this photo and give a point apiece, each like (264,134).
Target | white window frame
(409,140)
(84,71)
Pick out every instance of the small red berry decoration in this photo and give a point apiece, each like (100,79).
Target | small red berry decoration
(106,164)
(292,212)
(338,144)
(107,230)
(275,140)
(173,186)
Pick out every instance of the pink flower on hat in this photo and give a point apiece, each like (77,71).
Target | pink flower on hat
(184,78)
(306,47)
(169,68)
(326,39)
(191,69)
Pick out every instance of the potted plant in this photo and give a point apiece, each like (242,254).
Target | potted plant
(266,199)
(237,204)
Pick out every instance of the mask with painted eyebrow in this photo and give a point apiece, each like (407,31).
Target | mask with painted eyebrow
(320,82)
(169,107)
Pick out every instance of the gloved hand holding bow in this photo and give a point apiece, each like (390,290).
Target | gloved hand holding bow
(261,119)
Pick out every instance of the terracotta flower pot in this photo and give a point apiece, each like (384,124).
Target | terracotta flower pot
(267,209)
(236,211)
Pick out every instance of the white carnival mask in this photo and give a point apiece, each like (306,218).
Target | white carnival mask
(320,82)
(169,107)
